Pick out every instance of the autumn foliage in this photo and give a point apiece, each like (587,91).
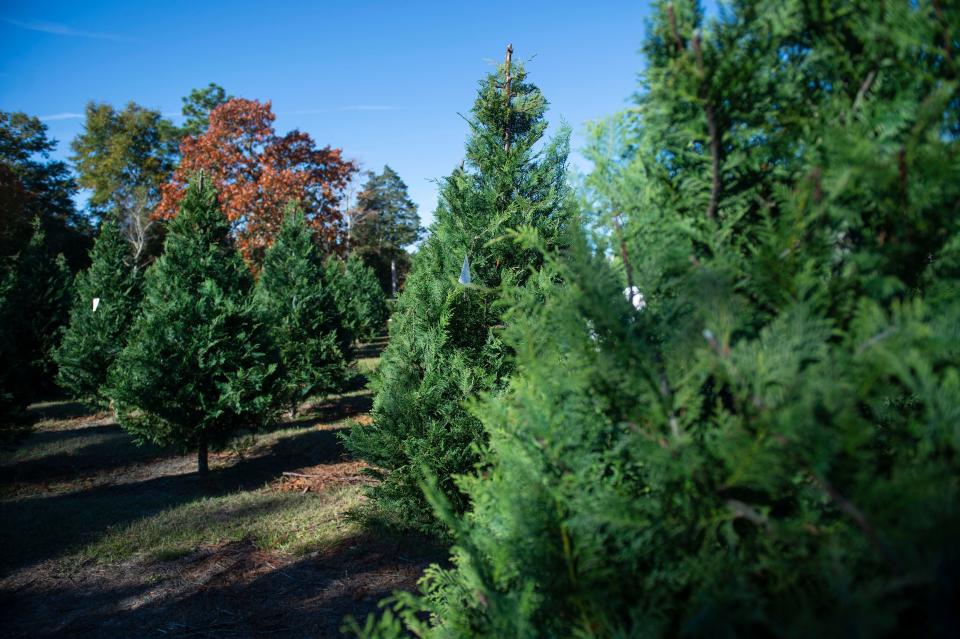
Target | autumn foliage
(257,172)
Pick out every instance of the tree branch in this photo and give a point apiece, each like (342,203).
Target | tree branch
(712,131)
(506,128)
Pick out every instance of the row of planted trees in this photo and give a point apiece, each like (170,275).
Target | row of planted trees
(765,443)
(194,349)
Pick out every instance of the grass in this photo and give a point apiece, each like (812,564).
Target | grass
(101,538)
(79,489)
(284,521)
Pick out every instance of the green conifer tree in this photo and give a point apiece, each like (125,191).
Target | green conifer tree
(383,223)
(360,298)
(445,348)
(198,365)
(769,447)
(107,296)
(299,305)
(34,303)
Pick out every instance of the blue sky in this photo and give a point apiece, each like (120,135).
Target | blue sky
(385,81)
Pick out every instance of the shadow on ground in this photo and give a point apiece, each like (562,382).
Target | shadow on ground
(71,453)
(230,589)
(48,527)
(54,409)
(234,591)
(373,348)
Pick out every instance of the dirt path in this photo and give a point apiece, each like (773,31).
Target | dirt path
(230,590)
(101,538)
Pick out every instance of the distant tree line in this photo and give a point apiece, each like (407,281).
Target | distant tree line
(73,280)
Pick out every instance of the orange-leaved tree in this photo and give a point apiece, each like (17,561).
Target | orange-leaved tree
(257,173)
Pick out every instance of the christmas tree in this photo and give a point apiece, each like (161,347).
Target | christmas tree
(299,306)
(445,348)
(199,365)
(35,296)
(767,446)
(360,298)
(107,296)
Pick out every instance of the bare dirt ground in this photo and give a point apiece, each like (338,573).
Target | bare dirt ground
(103,538)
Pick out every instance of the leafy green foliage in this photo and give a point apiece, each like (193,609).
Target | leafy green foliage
(770,447)
(362,303)
(299,305)
(445,348)
(94,337)
(120,151)
(199,365)
(123,157)
(34,302)
(34,186)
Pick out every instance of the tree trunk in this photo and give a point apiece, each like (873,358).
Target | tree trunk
(202,466)
(393,277)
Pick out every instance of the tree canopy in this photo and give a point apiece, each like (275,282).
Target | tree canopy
(258,172)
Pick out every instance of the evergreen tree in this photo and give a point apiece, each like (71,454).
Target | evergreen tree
(198,365)
(107,296)
(197,107)
(300,307)
(445,347)
(769,447)
(384,222)
(362,303)
(34,303)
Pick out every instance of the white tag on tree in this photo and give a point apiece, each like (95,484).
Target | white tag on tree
(465,271)
(96,303)
(635,297)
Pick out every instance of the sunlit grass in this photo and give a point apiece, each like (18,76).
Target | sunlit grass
(284,521)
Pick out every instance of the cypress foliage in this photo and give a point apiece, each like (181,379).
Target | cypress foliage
(768,448)
(360,298)
(198,365)
(95,337)
(35,296)
(445,348)
(299,305)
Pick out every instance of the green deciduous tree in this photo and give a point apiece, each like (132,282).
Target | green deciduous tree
(106,299)
(199,365)
(382,223)
(123,157)
(35,298)
(298,303)
(445,348)
(769,447)
(360,298)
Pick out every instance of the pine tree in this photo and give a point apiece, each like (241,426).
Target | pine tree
(198,365)
(360,298)
(445,348)
(299,305)
(34,302)
(107,296)
(769,447)
(384,222)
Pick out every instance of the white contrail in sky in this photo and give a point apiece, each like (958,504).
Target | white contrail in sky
(55,28)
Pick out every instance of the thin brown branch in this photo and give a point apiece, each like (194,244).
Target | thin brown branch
(677,42)
(507,67)
(623,253)
(947,36)
(712,131)
(856,515)
(864,88)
